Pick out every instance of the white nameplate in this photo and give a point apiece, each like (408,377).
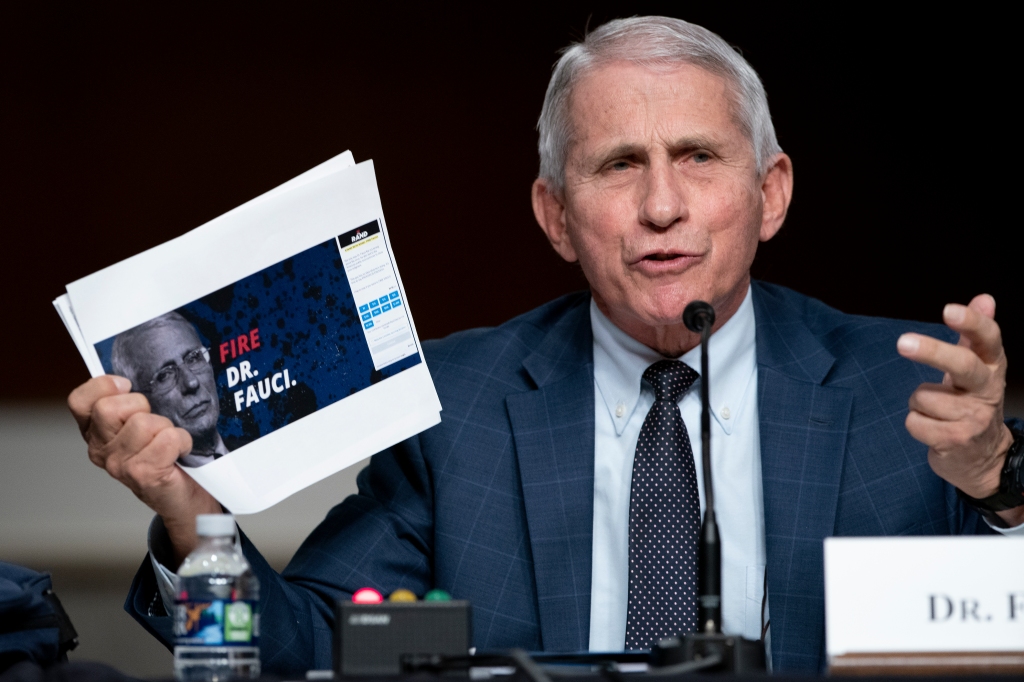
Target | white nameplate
(924,594)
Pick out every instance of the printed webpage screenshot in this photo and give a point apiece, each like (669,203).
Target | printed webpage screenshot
(285,361)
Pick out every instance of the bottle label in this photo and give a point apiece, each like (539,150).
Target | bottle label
(217,622)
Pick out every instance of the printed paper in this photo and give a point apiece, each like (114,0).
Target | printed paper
(279,335)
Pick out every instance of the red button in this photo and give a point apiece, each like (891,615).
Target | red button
(367,595)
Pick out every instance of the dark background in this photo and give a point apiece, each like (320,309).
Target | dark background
(122,127)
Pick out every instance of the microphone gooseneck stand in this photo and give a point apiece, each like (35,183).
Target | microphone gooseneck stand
(717,652)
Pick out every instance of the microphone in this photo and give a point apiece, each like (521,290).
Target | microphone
(699,317)
(707,650)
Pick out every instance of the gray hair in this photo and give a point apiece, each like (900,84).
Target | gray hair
(124,355)
(651,41)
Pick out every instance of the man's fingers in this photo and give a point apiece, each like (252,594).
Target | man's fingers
(83,398)
(961,420)
(984,304)
(111,413)
(965,368)
(947,404)
(977,328)
(936,432)
(138,433)
(940,402)
(154,465)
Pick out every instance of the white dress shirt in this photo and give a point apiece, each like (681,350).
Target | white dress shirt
(621,404)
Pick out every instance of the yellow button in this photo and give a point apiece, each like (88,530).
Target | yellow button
(402,595)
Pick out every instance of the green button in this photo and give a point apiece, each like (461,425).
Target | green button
(437,595)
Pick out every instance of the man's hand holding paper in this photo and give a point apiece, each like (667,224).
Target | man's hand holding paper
(282,362)
(141,450)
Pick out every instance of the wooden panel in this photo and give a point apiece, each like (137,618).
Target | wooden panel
(940,663)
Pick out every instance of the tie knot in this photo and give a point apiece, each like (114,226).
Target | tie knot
(670,379)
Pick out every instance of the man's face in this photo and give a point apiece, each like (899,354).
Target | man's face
(178,387)
(662,200)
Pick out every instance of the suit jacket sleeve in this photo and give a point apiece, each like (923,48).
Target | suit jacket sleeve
(382,538)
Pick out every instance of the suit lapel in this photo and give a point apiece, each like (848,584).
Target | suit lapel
(803,439)
(553,428)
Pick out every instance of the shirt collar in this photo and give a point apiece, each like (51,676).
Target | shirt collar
(620,361)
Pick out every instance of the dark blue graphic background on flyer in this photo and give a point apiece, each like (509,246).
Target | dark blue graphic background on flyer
(296,325)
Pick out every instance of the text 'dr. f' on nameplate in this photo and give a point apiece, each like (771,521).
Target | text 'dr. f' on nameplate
(924,605)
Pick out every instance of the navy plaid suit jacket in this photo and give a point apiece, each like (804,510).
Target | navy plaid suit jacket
(495,504)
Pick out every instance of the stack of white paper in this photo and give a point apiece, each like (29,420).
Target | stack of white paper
(279,335)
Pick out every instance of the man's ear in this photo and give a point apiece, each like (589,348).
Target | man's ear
(549,210)
(776,193)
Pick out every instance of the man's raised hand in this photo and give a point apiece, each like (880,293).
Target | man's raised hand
(140,449)
(961,419)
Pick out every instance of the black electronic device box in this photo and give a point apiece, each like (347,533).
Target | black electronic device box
(370,639)
(709,653)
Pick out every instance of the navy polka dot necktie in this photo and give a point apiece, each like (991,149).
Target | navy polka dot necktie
(664,516)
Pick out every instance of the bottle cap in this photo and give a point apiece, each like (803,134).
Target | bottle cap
(367,595)
(437,595)
(402,595)
(215,525)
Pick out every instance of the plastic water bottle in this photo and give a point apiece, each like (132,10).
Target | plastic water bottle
(216,608)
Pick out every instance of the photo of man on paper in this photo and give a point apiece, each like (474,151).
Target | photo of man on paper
(166,361)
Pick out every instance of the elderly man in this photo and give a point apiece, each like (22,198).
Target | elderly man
(167,363)
(563,471)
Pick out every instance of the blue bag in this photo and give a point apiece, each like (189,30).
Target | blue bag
(33,624)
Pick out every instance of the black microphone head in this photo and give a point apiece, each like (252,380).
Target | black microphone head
(697,315)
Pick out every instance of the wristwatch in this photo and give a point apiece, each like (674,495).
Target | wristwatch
(1011,481)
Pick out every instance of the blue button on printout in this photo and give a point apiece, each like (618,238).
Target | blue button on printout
(374,304)
(375,312)
(393,294)
(363,308)
(367,325)
(396,303)
(366,316)
(386,307)
(383,299)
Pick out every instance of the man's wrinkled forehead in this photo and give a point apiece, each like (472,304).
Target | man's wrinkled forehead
(608,94)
